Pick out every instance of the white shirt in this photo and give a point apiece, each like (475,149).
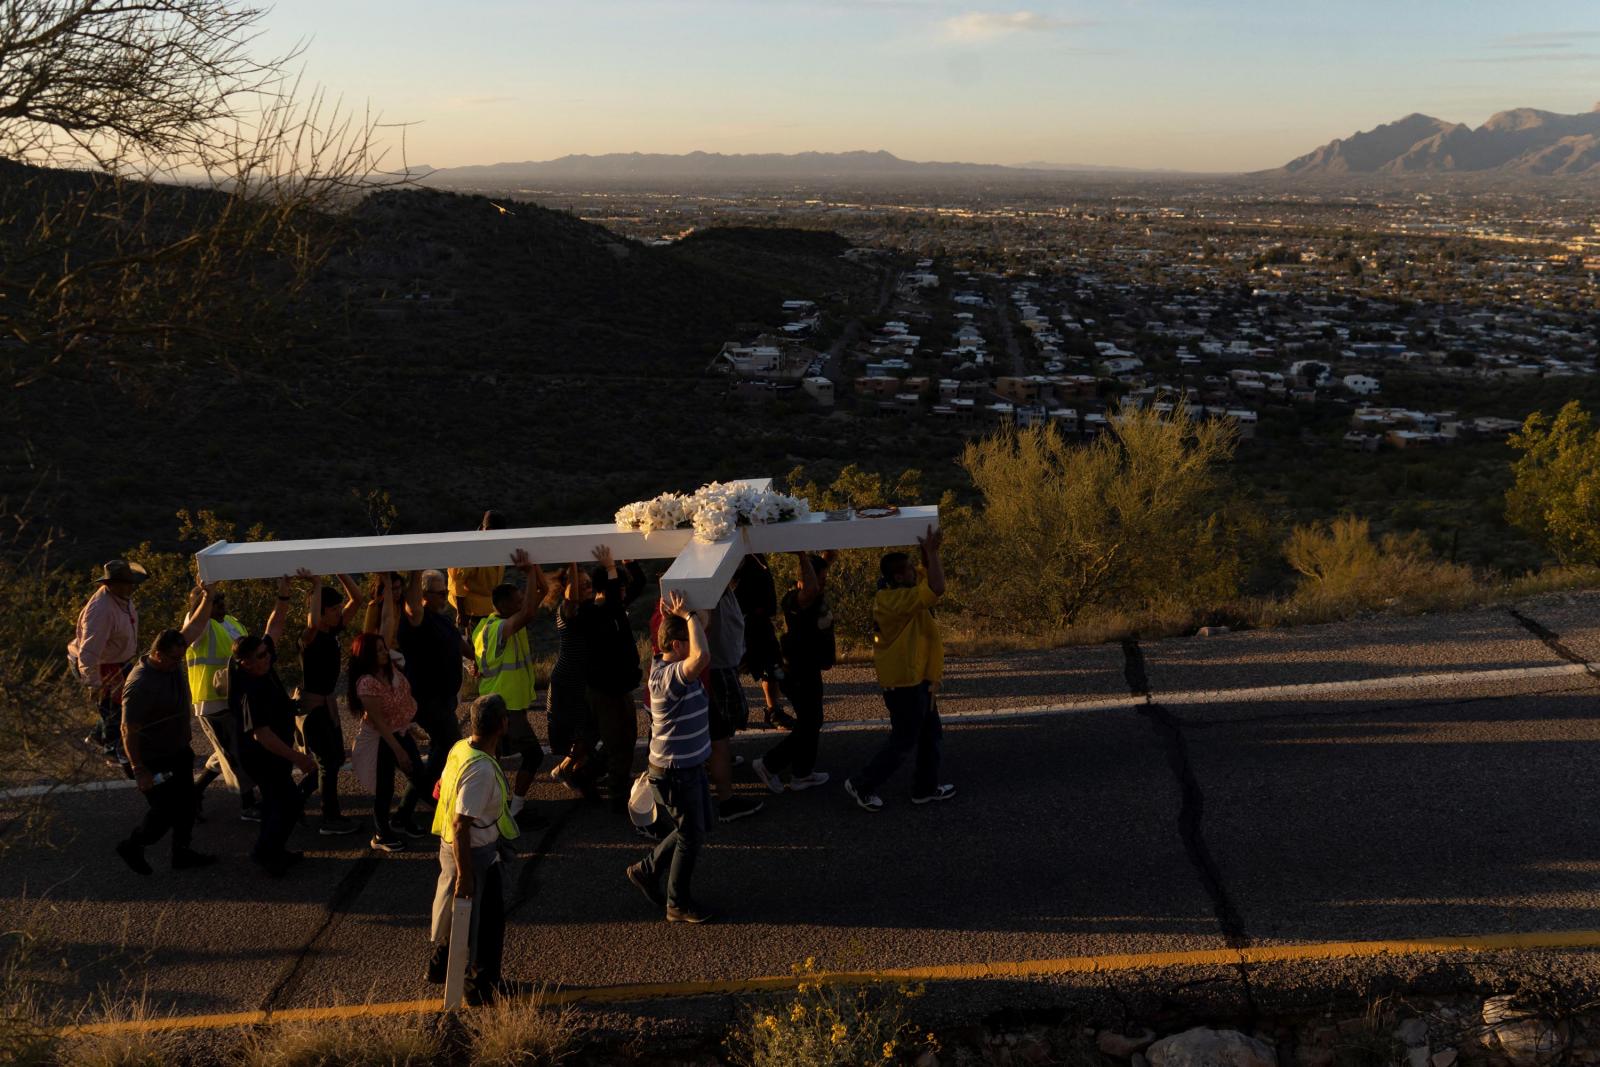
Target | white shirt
(478,796)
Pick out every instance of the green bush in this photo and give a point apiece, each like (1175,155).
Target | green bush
(830,1025)
(1556,495)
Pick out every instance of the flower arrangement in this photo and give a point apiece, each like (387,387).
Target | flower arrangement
(713,511)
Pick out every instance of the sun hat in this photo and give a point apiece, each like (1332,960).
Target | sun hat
(120,570)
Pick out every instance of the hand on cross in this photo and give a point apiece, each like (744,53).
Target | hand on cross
(520,560)
(602,556)
(674,604)
(305,576)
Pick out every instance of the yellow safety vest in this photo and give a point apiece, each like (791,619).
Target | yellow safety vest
(507,671)
(209,655)
(463,755)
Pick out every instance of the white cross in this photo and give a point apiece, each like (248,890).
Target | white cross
(699,570)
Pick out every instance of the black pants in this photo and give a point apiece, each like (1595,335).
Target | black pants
(323,740)
(438,720)
(170,805)
(619,729)
(572,726)
(913,727)
(797,751)
(383,795)
(281,805)
(489,902)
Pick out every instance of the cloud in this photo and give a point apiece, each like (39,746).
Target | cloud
(1537,57)
(484,100)
(1559,39)
(988,25)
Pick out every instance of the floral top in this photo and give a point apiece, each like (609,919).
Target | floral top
(390,702)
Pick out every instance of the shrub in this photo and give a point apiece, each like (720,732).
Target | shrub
(829,1025)
(1555,498)
(130,1047)
(1342,569)
(363,1041)
(519,1032)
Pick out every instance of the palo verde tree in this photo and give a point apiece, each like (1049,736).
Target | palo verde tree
(1134,520)
(158,178)
(1555,498)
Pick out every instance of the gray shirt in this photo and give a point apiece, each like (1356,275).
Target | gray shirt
(725,634)
(156,709)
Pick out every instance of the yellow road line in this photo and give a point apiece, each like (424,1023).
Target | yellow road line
(1127,961)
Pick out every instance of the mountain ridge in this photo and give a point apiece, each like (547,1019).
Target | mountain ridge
(1521,141)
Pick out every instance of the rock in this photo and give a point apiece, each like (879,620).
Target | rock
(1034,1050)
(1211,631)
(1444,1058)
(1413,1032)
(929,1058)
(1526,1040)
(1138,1060)
(1121,1045)
(1204,1047)
(1417,1057)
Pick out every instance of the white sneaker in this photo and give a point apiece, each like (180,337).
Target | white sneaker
(815,778)
(943,792)
(768,779)
(868,802)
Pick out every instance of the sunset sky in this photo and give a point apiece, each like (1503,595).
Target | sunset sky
(1160,83)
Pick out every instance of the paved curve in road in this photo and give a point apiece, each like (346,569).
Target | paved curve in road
(1395,778)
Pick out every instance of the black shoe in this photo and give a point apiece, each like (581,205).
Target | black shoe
(650,887)
(389,842)
(132,854)
(738,808)
(250,813)
(187,859)
(693,914)
(943,792)
(434,972)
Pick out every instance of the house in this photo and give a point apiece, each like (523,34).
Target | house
(819,389)
(1361,384)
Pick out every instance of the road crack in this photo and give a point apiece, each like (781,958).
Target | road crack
(1552,641)
(1191,810)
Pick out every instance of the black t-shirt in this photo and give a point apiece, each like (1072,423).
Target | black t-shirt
(319,663)
(263,702)
(808,636)
(432,649)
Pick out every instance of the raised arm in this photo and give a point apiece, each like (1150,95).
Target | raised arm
(313,605)
(533,596)
(930,559)
(194,627)
(389,617)
(353,600)
(810,587)
(414,607)
(699,652)
(280,611)
(569,595)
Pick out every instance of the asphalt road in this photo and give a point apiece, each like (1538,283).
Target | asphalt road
(1391,778)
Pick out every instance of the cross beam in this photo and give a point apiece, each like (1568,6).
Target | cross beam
(699,570)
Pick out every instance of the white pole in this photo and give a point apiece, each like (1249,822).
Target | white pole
(455,974)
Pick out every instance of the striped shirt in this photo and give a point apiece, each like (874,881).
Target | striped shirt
(680,729)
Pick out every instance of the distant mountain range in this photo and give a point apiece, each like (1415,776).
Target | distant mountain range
(771,166)
(1521,141)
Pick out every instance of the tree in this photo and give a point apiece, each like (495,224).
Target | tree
(1133,520)
(1555,498)
(104,106)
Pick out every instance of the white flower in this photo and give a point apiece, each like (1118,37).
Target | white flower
(715,511)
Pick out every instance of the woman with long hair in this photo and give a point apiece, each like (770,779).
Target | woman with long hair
(379,693)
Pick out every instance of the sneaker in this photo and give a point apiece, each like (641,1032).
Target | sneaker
(768,779)
(738,808)
(132,854)
(337,825)
(188,859)
(693,914)
(648,833)
(943,792)
(650,887)
(409,828)
(250,813)
(865,801)
(779,719)
(808,781)
(738,761)
(390,842)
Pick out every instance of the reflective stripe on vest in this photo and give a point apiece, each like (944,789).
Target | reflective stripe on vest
(508,671)
(210,653)
(463,755)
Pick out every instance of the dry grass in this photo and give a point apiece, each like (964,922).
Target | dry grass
(520,1032)
(362,1041)
(130,1048)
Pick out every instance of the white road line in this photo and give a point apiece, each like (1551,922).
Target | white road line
(1186,698)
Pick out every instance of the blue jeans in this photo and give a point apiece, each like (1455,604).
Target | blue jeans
(684,797)
(913,727)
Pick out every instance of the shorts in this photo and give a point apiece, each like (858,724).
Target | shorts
(726,707)
(521,739)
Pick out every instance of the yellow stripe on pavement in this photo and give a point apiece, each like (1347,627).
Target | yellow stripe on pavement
(1123,961)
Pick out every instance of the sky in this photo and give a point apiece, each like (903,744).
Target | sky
(1184,84)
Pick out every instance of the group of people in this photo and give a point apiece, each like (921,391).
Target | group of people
(422,635)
